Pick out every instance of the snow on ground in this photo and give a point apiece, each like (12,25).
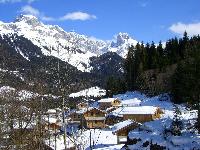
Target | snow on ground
(154,132)
(91,92)
(103,139)
(130,95)
(100,139)
(22,94)
(58,142)
(6,89)
(131,102)
(16,73)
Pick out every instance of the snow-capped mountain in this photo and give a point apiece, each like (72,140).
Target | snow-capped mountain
(70,47)
(120,46)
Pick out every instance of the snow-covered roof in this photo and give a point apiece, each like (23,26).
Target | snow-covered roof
(51,111)
(136,110)
(122,125)
(50,119)
(91,108)
(95,118)
(107,100)
(131,102)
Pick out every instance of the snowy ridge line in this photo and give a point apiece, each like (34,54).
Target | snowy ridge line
(73,48)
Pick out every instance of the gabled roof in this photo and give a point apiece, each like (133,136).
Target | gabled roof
(123,125)
(92,108)
(78,111)
(106,100)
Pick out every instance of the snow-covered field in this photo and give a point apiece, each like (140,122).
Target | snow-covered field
(101,139)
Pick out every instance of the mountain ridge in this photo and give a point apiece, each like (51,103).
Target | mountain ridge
(71,47)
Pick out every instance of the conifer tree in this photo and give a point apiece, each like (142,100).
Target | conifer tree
(129,68)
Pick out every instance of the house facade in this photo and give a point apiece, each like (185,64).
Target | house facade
(109,102)
(139,114)
(76,117)
(95,118)
(122,129)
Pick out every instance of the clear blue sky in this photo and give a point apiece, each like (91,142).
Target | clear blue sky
(144,20)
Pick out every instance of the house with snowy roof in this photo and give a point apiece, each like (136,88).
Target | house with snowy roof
(109,102)
(138,113)
(52,124)
(95,118)
(122,129)
(76,117)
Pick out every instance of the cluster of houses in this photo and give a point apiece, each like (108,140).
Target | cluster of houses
(122,115)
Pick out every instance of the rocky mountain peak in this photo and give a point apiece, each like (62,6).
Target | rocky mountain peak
(29,19)
(122,38)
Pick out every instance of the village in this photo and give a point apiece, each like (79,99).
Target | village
(131,120)
(116,116)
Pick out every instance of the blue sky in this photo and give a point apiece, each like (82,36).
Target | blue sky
(144,20)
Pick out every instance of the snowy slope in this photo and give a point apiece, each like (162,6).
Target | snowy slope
(154,131)
(71,47)
(22,95)
(91,92)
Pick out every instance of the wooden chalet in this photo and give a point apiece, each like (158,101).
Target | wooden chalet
(112,119)
(95,118)
(77,117)
(140,114)
(122,129)
(109,102)
(52,124)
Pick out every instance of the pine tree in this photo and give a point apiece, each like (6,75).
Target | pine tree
(177,124)
(129,68)
(143,56)
(161,55)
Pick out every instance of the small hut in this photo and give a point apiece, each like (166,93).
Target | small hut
(109,102)
(122,129)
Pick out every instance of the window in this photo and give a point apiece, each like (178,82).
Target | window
(95,121)
(92,113)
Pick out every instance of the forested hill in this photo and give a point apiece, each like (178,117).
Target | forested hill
(173,68)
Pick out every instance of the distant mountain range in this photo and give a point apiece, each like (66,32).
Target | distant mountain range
(33,50)
(70,47)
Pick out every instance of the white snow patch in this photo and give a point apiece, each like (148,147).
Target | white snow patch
(91,92)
